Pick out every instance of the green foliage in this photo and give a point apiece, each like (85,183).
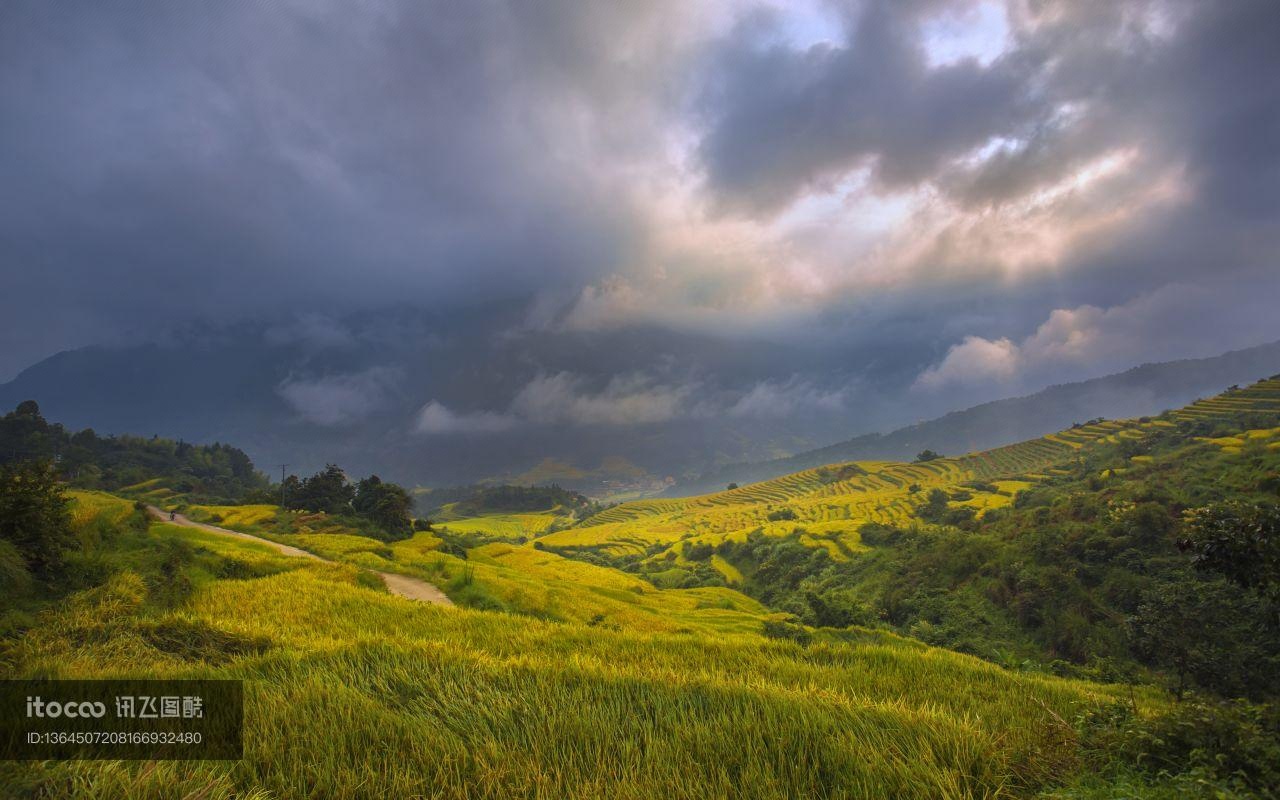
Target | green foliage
(936,509)
(207,473)
(385,504)
(1240,541)
(699,552)
(927,455)
(34,517)
(1210,634)
(328,492)
(478,500)
(14,574)
(371,502)
(1197,748)
(1072,577)
(787,630)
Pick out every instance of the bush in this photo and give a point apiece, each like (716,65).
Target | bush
(783,629)
(34,516)
(876,535)
(14,576)
(1234,745)
(698,552)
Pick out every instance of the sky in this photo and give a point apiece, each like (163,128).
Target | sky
(929,203)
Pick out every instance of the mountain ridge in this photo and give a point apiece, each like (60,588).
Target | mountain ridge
(1146,389)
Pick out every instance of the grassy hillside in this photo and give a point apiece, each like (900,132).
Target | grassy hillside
(352,692)
(154,469)
(831,503)
(1094,552)
(777,640)
(478,568)
(1140,391)
(828,507)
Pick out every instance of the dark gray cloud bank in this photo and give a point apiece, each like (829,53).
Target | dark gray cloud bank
(493,219)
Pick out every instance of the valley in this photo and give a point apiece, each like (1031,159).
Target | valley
(751,400)
(745,643)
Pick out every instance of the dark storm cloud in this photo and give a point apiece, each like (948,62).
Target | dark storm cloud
(168,160)
(783,118)
(1178,80)
(1182,94)
(291,163)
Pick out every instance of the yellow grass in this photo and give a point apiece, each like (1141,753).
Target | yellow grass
(353,693)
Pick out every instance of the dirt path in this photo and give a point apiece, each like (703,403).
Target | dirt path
(402,585)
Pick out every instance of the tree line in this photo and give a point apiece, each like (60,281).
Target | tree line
(214,473)
(385,505)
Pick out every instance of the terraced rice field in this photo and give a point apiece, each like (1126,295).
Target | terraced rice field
(642,693)
(1263,396)
(830,503)
(505,525)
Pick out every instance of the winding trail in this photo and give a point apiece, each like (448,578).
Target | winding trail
(401,585)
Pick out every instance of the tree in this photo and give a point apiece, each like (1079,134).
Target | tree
(731,487)
(291,492)
(935,508)
(927,455)
(327,491)
(1238,540)
(385,505)
(1205,633)
(34,516)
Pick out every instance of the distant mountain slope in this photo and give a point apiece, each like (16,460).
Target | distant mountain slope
(1148,389)
(352,391)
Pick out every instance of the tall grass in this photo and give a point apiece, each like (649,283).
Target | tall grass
(353,693)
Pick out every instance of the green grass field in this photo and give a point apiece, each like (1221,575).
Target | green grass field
(356,693)
(829,504)
(556,677)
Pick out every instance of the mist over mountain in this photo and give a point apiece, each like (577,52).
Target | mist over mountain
(442,398)
(1144,390)
(451,242)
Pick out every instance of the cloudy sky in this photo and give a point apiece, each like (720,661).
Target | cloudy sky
(987,196)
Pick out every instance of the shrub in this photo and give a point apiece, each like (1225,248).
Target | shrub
(1234,745)
(34,516)
(783,629)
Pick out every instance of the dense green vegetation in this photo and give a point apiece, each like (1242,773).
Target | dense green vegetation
(1118,583)
(460,703)
(1144,552)
(372,502)
(35,527)
(471,501)
(1075,574)
(1106,573)
(203,473)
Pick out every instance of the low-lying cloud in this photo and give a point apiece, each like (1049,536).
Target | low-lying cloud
(569,399)
(340,399)
(436,418)
(783,398)
(633,399)
(1088,340)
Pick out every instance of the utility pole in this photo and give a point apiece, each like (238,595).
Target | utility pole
(282,469)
